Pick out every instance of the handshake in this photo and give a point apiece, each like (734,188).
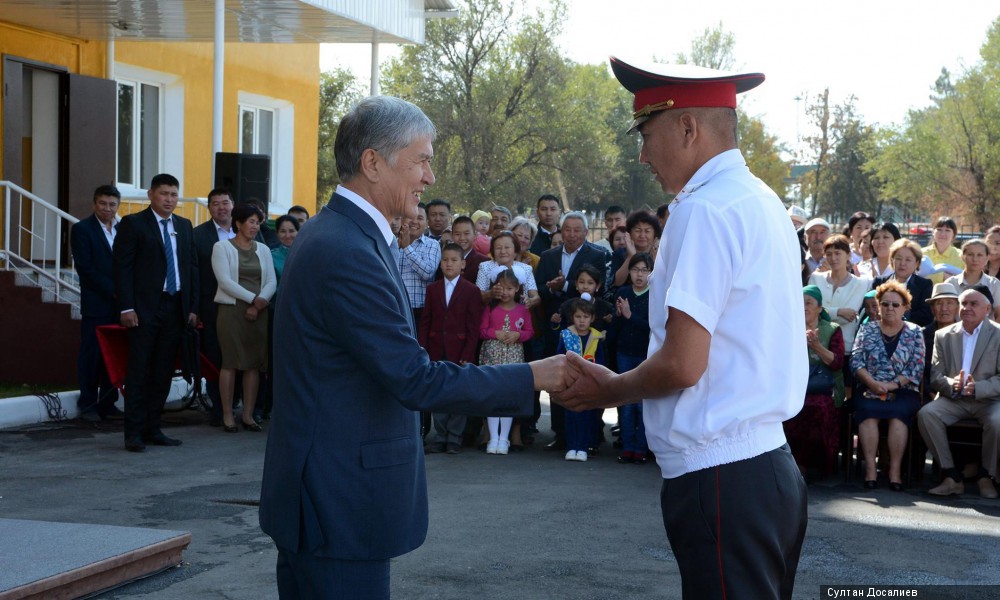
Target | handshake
(574,382)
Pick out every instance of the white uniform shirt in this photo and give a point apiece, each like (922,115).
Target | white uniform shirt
(730,261)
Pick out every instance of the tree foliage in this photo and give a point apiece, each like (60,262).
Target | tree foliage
(946,158)
(514,118)
(842,145)
(715,49)
(338,91)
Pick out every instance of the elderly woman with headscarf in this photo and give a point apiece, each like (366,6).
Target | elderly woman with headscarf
(814,434)
(888,363)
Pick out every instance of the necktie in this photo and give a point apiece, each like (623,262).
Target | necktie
(168,249)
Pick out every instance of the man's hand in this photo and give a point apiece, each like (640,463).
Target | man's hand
(970,387)
(549,373)
(129,319)
(404,238)
(556,285)
(587,385)
(192,319)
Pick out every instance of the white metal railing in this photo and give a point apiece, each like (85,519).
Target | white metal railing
(33,241)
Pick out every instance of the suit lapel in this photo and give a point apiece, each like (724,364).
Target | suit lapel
(982,343)
(364,222)
(98,230)
(955,347)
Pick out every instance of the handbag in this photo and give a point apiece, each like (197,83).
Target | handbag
(820,380)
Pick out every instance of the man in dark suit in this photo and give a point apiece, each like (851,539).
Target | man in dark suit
(218,228)
(91,241)
(555,278)
(156,285)
(548,210)
(344,488)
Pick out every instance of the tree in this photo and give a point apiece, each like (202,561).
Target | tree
(948,155)
(338,91)
(715,49)
(514,118)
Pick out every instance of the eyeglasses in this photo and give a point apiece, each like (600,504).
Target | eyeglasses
(890,304)
(638,271)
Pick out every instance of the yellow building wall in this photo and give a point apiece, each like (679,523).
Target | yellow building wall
(287,72)
(76,56)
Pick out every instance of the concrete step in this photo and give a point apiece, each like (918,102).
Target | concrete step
(44,560)
(48,288)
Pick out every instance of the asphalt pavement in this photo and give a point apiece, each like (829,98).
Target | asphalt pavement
(526,526)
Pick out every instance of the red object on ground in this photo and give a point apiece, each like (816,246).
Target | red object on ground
(113,340)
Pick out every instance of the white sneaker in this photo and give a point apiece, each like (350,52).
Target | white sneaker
(581,455)
(571,455)
(503,447)
(491,448)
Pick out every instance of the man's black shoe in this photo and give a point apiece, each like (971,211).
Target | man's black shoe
(90,416)
(135,444)
(556,444)
(112,414)
(158,439)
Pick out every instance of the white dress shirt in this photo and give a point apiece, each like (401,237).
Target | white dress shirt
(968,348)
(172,231)
(567,264)
(449,289)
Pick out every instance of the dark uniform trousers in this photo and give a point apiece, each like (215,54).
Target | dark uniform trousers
(736,530)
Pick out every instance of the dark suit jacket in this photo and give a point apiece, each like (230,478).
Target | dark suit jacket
(344,467)
(141,264)
(549,265)
(946,361)
(205,238)
(95,266)
(451,332)
(920,288)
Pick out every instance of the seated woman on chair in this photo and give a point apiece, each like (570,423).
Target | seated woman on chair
(888,363)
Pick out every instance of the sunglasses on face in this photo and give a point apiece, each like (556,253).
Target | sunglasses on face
(890,304)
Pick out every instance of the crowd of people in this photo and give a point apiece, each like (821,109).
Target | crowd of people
(155,269)
(541,288)
(903,335)
(494,288)
(881,315)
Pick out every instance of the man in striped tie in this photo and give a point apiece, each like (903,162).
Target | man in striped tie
(156,287)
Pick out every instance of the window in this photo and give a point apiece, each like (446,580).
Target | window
(267,126)
(139,118)
(256,130)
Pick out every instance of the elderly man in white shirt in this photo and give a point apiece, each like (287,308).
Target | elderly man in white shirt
(727,365)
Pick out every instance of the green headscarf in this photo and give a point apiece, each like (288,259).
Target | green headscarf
(813,292)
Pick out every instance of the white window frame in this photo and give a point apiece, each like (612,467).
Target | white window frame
(282,146)
(171,122)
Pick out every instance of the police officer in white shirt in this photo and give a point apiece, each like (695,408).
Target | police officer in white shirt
(727,363)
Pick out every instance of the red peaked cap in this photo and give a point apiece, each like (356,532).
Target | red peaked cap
(663,87)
